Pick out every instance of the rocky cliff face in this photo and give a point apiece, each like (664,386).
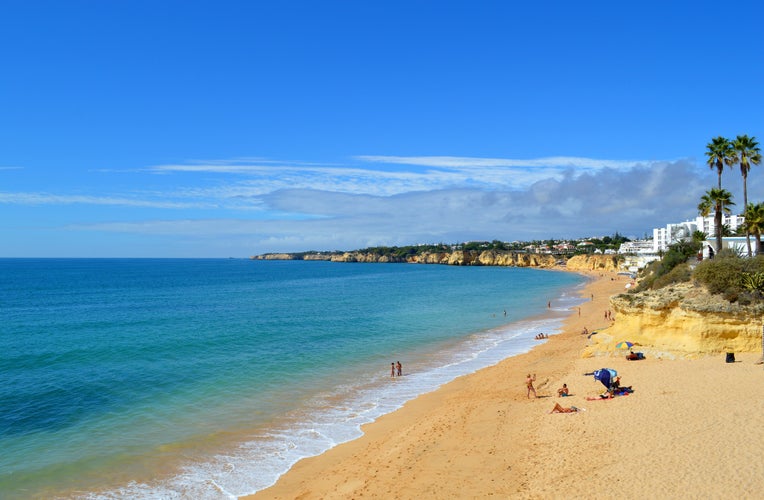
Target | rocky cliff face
(364,257)
(682,319)
(276,256)
(466,258)
(459,258)
(594,262)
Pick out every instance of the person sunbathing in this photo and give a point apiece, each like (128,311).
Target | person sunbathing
(561,409)
(563,391)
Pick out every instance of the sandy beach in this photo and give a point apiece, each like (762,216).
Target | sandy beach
(692,428)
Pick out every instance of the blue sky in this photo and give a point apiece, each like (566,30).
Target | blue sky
(233,128)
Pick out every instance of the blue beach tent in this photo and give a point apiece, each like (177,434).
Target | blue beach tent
(605,375)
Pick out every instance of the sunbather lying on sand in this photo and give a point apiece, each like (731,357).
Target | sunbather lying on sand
(560,409)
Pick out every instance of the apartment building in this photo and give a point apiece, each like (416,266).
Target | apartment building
(682,231)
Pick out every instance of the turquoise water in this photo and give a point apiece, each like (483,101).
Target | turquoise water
(141,378)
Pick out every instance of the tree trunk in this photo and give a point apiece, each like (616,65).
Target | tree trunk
(745,207)
(718,228)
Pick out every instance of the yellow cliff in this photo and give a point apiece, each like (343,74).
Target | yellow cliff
(683,320)
(466,258)
(593,262)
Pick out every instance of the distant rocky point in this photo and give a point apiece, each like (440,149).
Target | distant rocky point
(463,258)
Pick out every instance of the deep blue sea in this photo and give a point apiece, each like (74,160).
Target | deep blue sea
(185,378)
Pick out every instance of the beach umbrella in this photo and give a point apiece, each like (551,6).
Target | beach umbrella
(623,345)
(605,375)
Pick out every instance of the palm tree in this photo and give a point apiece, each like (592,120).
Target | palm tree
(754,223)
(719,200)
(747,153)
(699,237)
(720,152)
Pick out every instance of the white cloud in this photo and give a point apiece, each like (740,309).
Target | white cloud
(297,207)
(391,175)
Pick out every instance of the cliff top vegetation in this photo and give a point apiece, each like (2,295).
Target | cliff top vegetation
(559,247)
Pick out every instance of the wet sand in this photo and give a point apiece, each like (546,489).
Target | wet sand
(690,429)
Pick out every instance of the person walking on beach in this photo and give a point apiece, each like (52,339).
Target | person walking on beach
(529,382)
(399,368)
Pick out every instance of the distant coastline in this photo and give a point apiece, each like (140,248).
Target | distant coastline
(587,262)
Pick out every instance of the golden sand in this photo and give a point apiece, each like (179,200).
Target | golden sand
(691,429)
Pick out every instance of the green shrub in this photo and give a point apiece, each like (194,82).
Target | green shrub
(753,282)
(661,273)
(721,275)
(679,274)
(754,265)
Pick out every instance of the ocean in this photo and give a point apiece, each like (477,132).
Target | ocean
(208,378)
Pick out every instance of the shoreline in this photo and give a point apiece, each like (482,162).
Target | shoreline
(314,476)
(480,436)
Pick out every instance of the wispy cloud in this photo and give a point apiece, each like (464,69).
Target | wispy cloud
(467,162)
(274,206)
(57,199)
(607,200)
(391,175)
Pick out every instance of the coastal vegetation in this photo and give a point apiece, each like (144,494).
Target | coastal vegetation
(720,152)
(720,201)
(735,277)
(561,247)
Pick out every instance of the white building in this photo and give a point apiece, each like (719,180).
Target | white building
(636,247)
(735,243)
(637,254)
(674,233)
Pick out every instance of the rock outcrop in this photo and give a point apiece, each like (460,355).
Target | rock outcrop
(457,258)
(682,319)
(278,256)
(365,257)
(593,262)
(464,258)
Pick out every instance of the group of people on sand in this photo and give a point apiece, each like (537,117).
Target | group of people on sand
(633,356)
(396,368)
(615,389)
(541,336)
(558,408)
(562,392)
